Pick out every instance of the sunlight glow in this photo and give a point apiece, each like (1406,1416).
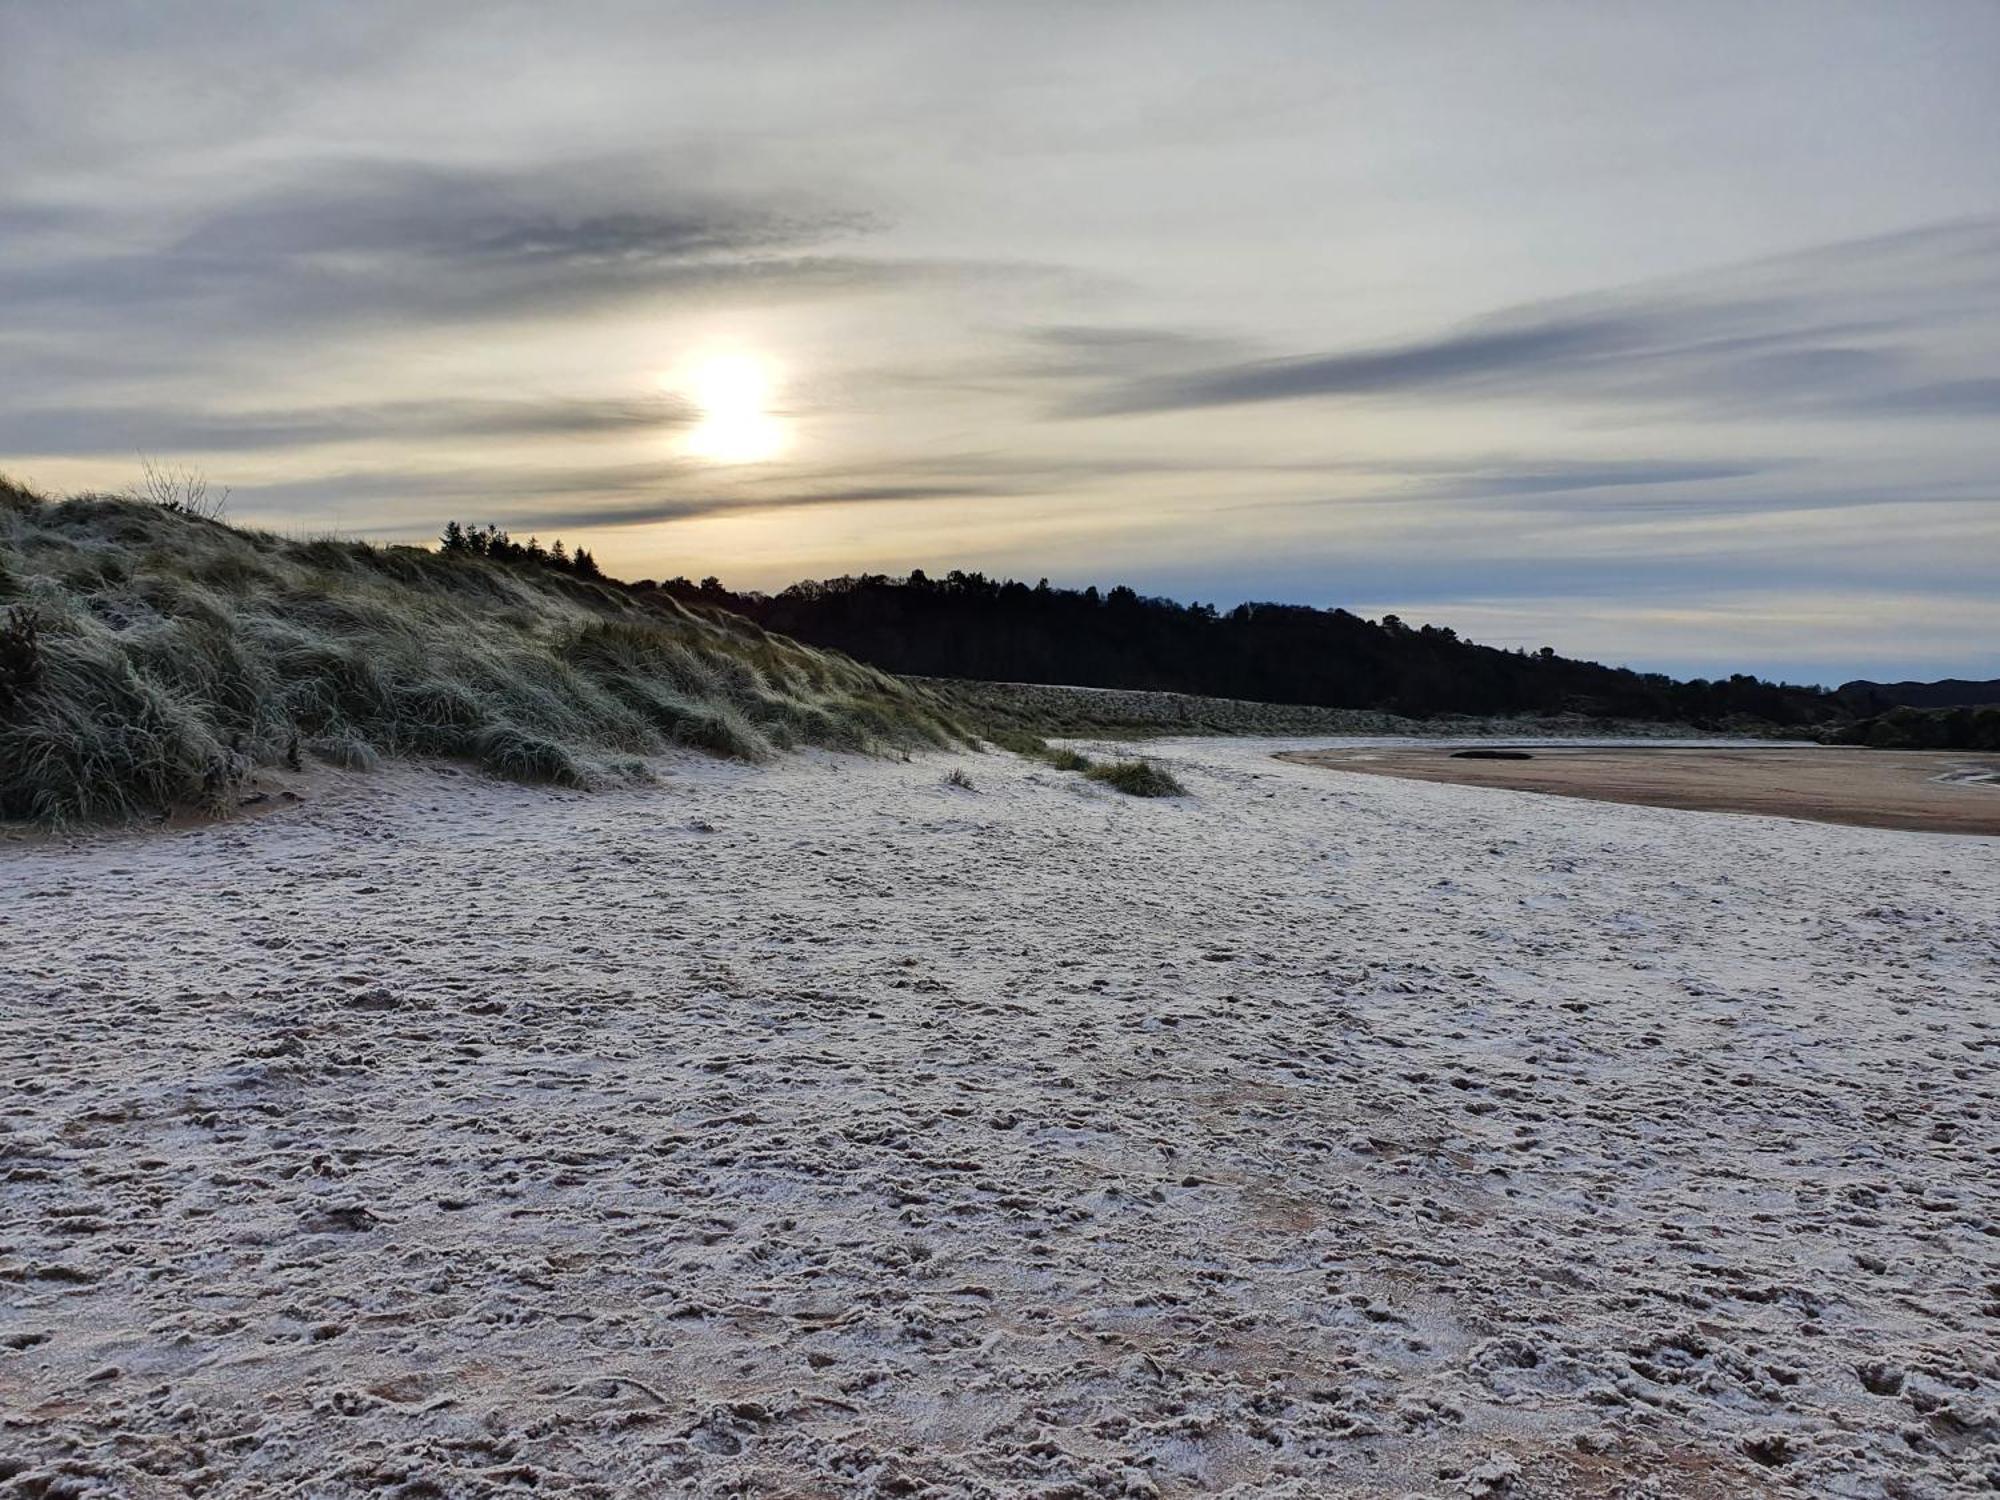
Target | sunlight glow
(736,427)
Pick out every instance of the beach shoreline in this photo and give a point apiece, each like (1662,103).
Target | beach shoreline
(1929,791)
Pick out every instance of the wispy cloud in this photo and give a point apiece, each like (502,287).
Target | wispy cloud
(573,213)
(343,246)
(1871,326)
(79,430)
(579,498)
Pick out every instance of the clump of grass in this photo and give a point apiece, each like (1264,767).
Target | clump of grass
(1137,778)
(1034,747)
(508,751)
(957,778)
(154,656)
(344,751)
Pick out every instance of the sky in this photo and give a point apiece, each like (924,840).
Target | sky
(1666,335)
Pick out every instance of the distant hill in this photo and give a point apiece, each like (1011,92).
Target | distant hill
(1863,697)
(966,625)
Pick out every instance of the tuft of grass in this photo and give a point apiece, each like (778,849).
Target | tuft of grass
(344,751)
(155,656)
(1137,778)
(1034,747)
(957,778)
(518,755)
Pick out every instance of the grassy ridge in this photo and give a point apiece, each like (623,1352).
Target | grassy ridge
(157,657)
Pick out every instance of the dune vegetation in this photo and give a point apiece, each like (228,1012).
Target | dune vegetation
(152,657)
(1136,777)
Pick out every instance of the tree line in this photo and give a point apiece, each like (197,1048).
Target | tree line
(1002,630)
(1909,728)
(491,541)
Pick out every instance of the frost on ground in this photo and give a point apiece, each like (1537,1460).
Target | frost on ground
(829,1130)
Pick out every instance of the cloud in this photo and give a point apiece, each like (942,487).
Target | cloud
(573,499)
(330,246)
(1944,398)
(1073,350)
(1868,326)
(569,214)
(1460,359)
(691,507)
(1531,477)
(67,431)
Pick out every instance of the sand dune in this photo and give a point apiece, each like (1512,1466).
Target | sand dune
(826,1130)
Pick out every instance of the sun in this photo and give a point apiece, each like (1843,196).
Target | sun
(736,427)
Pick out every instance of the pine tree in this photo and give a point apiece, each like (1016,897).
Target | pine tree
(453,539)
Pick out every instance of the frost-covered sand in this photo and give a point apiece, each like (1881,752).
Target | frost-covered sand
(823,1130)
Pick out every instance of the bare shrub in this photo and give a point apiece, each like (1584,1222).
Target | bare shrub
(180,489)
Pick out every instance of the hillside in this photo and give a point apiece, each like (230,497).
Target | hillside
(153,658)
(1908,728)
(1865,697)
(970,626)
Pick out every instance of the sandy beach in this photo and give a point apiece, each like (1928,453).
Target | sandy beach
(1935,791)
(825,1130)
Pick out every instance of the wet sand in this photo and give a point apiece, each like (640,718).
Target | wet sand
(1933,791)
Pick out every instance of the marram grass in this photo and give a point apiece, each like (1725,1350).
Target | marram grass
(173,654)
